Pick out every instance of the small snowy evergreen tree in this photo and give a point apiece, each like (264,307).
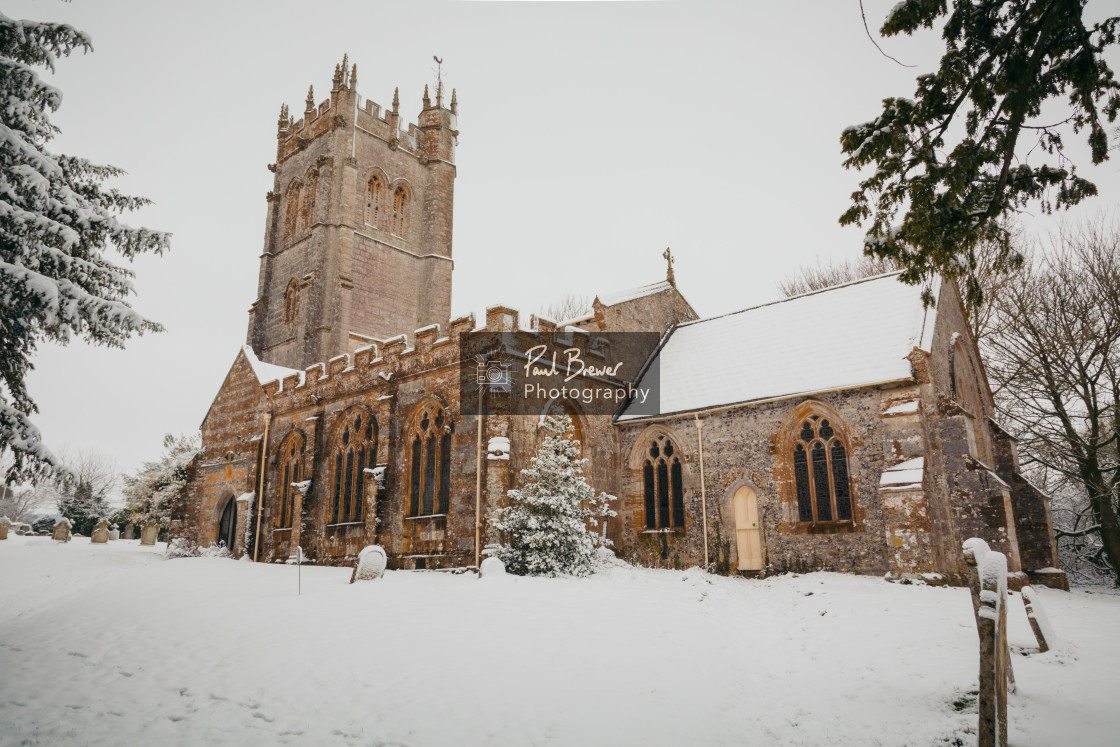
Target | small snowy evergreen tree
(157,485)
(548,529)
(56,222)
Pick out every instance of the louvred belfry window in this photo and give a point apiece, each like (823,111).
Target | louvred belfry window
(663,485)
(399,221)
(429,490)
(355,451)
(375,202)
(820,473)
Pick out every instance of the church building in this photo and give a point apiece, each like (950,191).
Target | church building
(850,429)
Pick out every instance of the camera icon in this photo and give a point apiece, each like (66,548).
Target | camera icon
(495,374)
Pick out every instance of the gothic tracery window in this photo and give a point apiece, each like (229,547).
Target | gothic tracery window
(820,470)
(290,456)
(429,485)
(375,202)
(663,485)
(399,222)
(354,452)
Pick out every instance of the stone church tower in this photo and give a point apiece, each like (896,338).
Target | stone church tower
(357,240)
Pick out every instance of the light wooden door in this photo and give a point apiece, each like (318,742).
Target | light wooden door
(748,534)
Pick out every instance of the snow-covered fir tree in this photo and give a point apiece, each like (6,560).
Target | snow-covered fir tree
(550,526)
(56,224)
(151,492)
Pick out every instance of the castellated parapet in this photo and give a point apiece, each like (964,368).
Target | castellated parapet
(358,231)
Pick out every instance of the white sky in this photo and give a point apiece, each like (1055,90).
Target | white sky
(593,135)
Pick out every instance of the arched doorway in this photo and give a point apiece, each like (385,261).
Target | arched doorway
(748,534)
(228,525)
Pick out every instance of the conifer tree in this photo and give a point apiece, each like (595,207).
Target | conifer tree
(978,142)
(56,223)
(548,528)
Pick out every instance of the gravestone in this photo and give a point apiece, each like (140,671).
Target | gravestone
(130,531)
(114,533)
(371,564)
(989,603)
(61,531)
(5,522)
(1040,623)
(149,534)
(491,567)
(100,533)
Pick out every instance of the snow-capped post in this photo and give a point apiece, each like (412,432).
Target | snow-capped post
(299,571)
(974,550)
(990,606)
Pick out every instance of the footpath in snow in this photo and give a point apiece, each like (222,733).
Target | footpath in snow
(113,644)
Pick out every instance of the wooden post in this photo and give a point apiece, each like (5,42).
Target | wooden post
(989,593)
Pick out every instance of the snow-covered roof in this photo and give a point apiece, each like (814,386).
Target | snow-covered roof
(267,372)
(610,299)
(847,336)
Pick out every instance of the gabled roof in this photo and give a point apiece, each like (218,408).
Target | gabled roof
(847,336)
(267,372)
(610,299)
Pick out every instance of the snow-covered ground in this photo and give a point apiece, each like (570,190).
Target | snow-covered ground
(113,645)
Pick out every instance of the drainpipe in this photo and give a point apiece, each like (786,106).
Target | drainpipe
(260,484)
(703,493)
(478,485)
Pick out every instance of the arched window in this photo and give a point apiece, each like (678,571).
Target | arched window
(307,202)
(289,456)
(291,302)
(354,452)
(429,483)
(401,200)
(291,208)
(663,485)
(375,202)
(820,471)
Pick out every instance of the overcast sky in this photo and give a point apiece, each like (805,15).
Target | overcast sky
(592,136)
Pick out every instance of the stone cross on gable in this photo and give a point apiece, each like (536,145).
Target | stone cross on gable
(668,255)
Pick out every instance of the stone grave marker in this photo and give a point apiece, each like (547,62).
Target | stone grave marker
(61,531)
(1040,623)
(149,534)
(5,522)
(100,533)
(371,564)
(130,531)
(114,533)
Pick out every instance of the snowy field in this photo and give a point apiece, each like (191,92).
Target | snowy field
(113,645)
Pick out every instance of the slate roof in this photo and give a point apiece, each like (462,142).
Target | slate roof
(847,336)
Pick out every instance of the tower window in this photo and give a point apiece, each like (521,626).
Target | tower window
(292,208)
(375,202)
(291,302)
(401,200)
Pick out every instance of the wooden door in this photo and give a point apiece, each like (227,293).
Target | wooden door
(748,534)
(228,524)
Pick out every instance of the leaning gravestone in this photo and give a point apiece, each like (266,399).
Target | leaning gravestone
(149,534)
(5,522)
(130,531)
(1040,623)
(491,567)
(114,533)
(371,564)
(100,533)
(989,603)
(61,531)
